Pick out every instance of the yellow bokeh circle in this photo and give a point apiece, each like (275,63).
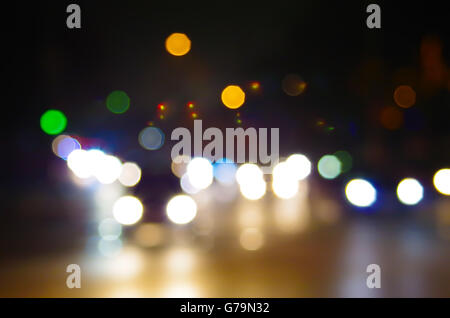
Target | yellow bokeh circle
(233,96)
(178,44)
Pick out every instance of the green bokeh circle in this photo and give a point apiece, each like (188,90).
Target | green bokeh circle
(53,122)
(346,160)
(118,102)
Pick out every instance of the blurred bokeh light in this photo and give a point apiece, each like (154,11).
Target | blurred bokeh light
(151,138)
(251,181)
(409,191)
(285,181)
(130,174)
(63,145)
(441,181)
(405,96)
(251,239)
(53,122)
(329,166)
(233,96)
(128,210)
(118,102)
(109,229)
(200,173)
(360,192)
(178,44)
(293,85)
(181,209)
(300,166)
